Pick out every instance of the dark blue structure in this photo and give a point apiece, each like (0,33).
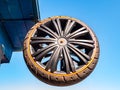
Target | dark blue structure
(16,18)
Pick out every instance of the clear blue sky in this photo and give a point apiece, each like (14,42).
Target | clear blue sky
(103,16)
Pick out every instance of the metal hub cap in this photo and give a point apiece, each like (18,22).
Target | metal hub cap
(62,45)
(62,41)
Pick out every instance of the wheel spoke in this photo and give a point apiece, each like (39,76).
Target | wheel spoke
(84,57)
(56,59)
(66,61)
(81,40)
(56,26)
(76,32)
(69,27)
(52,64)
(59,26)
(84,43)
(48,30)
(82,33)
(38,40)
(42,54)
(70,59)
(83,54)
(41,38)
(51,46)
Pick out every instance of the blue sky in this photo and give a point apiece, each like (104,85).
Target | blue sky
(103,16)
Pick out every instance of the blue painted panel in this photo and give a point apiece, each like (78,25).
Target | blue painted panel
(24,14)
(29,24)
(14,8)
(17,31)
(27,8)
(18,9)
(16,18)
(4,14)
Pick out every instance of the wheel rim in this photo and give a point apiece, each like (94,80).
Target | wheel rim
(62,45)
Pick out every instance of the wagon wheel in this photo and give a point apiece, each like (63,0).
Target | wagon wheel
(61,50)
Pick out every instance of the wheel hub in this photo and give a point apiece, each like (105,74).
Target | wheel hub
(62,41)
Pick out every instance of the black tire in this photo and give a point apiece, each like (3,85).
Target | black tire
(61,50)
